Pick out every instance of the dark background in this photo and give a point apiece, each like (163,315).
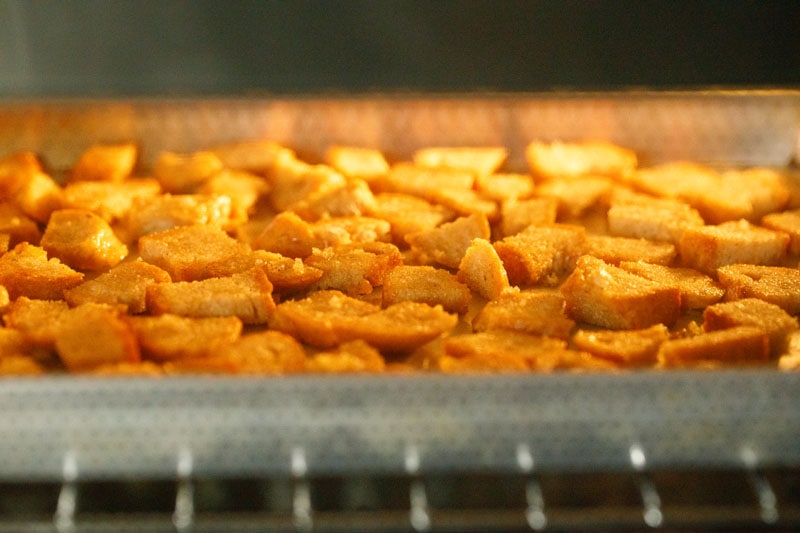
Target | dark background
(147,47)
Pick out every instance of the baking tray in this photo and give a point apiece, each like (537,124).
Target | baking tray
(68,427)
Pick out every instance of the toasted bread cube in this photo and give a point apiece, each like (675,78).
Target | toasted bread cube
(18,226)
(482,270)
(37,320)
(247,295)
(354,269)
(697,289)
(541,254)
(569,159)
(14,343)
(39,196)
(408,214)
(447,244)
(258,156)
(329,318)
(465,202)
(151,215)
(426,182)
(637,347)
(535,312)
(709,247)
(480,160)
(516,215)
(367,164)
(350,357)
(350,230)
(737,345)
(777,285)
(180,173)
(82,240)
(109,200)
(657,219)
(125,284)
(676,179)
(93,334)
(426,284)
(266,352)
(15,170)
(294,181)
(786,222)
(613,249)
(767,317)
(604,295)
(350,199)
(285,273)
(191,253)
(765,189)
(287,234)
(167,337)
(504,186)
(577,195)
(105,162)
(243,188)
(27,271)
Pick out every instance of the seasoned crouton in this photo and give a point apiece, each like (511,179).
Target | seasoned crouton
(18,226)
(167,211)
(367,164)
(350,230)
(26,271)
(257,156)
(541,254)
(110,200)
(247,295)
(285,273)
(447,244)
(37,320)
(82,240)
(181,173)
(613,249)
(105,162)
(737,345)
(349,199)
(425,182)
(287,234)
(38,196)
(635,347)
(125,284)
(328,318)
(569,159)
(777,285)
(480,160)
(577,195)
(604,295)
(167,337)
(765,189)
(14,343)
(294,181)
(504,186)
(408,214)
(680,180)
(191,253)
(112,339)
(465,202)
(243,188)
(767,317)
(426,284)
(697,289)
(16,169)
(536,312)
(482,270)
(786,222)
(350,357)
(709,247)
(354,269)
(657,219)
(516,215)
(266,352)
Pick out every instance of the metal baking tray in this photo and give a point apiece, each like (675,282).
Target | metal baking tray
(72,427)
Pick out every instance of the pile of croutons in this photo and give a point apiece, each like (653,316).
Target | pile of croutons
(249,259)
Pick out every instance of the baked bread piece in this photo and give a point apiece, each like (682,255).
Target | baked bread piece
(167,211)
(447,244)
(27,271)
(559,159)
(182,173)
(516,214)
(482,270)
(777,285)
(629,348)
(37,320)
(767,317)
(724,347)
(18,226)
(646,217)
(367,164)
(425,284)
(698,290)
(613,249)
(258,156)
(407,214)
(125,284)
(112,339)
(576,195)
(167,337)
(541,254)
(82,240)
(539,312)
(504,186)
(105,162)
(480,160)
(348,358)
(355,269)
(787,222)
(110,200)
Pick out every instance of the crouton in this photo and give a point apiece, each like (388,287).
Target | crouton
(286,274)
(697,289)
(39,196)
(287,234)
(27,271)
(560,159)
(709,247)
(767,317)
(105,162)
(367,164)
(294,180)
(265,352)
(348,199)
(111,201)
(731,346)
(604,295)
(37,320)
(426,182)
(465,202)
(480,160)
(504,186)
(167,337)
(516,215)
(112,339)
(656,219)
(637,347)
(335,231)
(408,214)
(243,188)
(247,295)
(82,240)
(541,254)
(536,312)
(447,244)
(167,211)
(354,269)
(482,270)
(613,249)
(125,284)
(18,226)
(350,357)
(426,284)
(181,173)
(777,285)
(258,156)
(766,190)
(786,222)
(15,343)
(577,195)
(16,169)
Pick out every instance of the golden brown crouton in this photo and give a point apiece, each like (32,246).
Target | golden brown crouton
(737,345)
(167,337)
(569,159)
(426,182)
(635,347)
(328,318)
(18,226)
(93,334)
(766,190)
(258,156)
(408,214)
(447,244)
(14,342)
(367,164)
(294,181)
(541,254)
(426,284)
(82,240)
(265,352)
(753,312)
(697,289)
(536,312)
(247,295)
(465,202)
(354,269)
(105,162)
(576,195)
(167,211)
(709,247)
(777,285)
(516,215)
(125,284)
(286,274)
(109,200)
(16,169)
(349,199)
(657,219)
(243,188)
(27,271)
(37,320)
(480,160)
(191,253)
(350,230)
(613,249)
(183,173)
(350,357)
(787,222)
(607,296)
(287,234)
(39,196)
(504,186)
(482,270)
